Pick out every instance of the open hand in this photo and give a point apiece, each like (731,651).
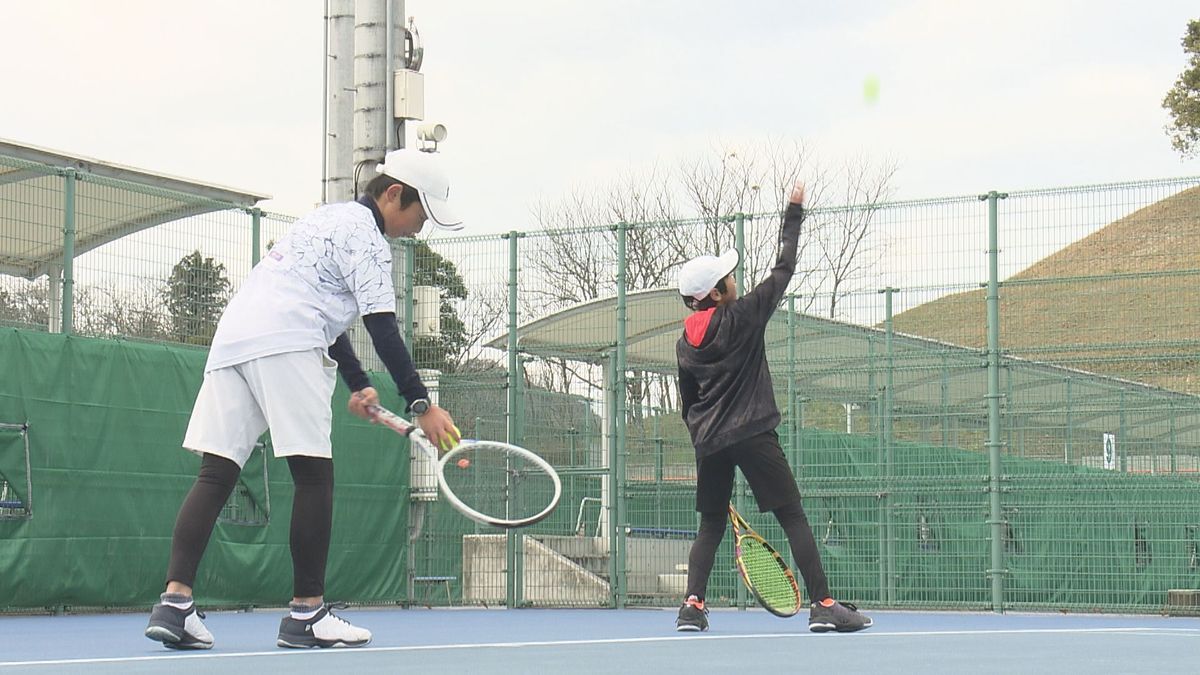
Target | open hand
(797,196)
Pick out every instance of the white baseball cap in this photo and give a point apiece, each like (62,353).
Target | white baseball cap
(422,172)
(700,275)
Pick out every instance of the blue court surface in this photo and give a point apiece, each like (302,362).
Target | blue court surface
(620,641)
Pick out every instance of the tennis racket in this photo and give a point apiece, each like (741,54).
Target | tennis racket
(765,573)
(489,482)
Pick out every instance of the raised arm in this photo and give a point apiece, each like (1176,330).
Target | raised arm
(762,301)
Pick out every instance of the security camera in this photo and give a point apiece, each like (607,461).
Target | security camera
(430,135)
(432,132)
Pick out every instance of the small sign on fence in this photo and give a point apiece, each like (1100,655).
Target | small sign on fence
(1110,451)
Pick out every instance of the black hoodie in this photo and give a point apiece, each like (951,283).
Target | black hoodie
(724,381)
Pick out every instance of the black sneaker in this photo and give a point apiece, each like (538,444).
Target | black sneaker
(326,629)
(693,616)
(841,617)
(178,628)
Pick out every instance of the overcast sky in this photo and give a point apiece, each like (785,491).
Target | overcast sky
(545,97)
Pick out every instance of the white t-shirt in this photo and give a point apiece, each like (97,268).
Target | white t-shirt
(332,266)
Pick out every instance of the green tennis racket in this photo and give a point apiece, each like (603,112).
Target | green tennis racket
(765,573)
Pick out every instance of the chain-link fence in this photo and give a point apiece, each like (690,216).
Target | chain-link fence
(988,401)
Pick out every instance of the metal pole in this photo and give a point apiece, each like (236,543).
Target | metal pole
(54,319)
(793,427)
(406,330)
(255,235)
(739,242)
(1067,449)
(389,79)
(994,443)
(945,401)
(617,527)
(880,428)
(889,447)
(338,184)
(325,111)
(68,279)
(513,581)
(1174,466)
(1121,449)
(397,60)
(371,69)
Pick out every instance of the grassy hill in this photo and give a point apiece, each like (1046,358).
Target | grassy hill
(1123,301)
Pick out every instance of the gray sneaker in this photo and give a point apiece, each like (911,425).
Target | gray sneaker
(693,616)
(178,628)
(840,617)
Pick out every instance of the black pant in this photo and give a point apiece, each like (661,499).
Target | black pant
(312,520)
(762,462)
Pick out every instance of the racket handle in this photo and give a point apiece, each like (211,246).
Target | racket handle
(391,419)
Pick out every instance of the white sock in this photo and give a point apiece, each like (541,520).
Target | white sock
(304,612)
(177,600)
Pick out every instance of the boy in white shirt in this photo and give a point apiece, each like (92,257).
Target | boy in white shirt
(272,365)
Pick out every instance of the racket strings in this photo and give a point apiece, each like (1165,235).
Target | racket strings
(499,482)
(768,576)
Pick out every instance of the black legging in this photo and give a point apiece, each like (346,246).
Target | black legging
(312,520)
(800,539)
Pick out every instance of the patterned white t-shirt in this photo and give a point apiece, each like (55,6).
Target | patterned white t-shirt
(332,266)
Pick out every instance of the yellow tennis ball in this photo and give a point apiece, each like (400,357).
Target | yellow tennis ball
(871,89)
(448,443)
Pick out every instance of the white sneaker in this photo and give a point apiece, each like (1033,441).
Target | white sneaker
(179,628)
(325,629)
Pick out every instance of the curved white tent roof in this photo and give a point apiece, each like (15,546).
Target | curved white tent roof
(847,362)
(111,201)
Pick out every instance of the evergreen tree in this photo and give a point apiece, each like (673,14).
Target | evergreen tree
(1183,99)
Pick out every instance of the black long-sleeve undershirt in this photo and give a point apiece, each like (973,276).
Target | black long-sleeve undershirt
(385,335)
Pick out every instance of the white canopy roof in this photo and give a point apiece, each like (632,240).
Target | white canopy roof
(846,362)
(111,201)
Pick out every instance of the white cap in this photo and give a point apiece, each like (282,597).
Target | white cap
(422,172)
(700,275)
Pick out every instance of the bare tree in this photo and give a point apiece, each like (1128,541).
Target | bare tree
(136,313)
(574,258)
(844,231)
(24,302)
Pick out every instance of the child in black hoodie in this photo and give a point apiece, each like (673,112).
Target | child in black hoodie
(729,409)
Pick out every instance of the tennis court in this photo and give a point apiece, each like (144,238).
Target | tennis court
(1053,469)
(622,641)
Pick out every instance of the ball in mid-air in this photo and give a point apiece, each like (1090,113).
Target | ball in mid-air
(871,89)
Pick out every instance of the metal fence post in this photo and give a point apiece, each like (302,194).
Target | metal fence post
(256,236)
(617,525)
(793,427)
(994,444)
(889,461)
(514,580)
(68,270)
(739,243)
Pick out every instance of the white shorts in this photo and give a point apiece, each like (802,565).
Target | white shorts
(289,393)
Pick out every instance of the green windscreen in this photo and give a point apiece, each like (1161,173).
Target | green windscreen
(106,420)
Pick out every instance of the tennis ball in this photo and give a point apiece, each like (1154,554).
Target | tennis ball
(448,442)
(871,90)
(463,463)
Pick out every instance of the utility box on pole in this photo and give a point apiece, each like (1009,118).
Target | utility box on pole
(409,92)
